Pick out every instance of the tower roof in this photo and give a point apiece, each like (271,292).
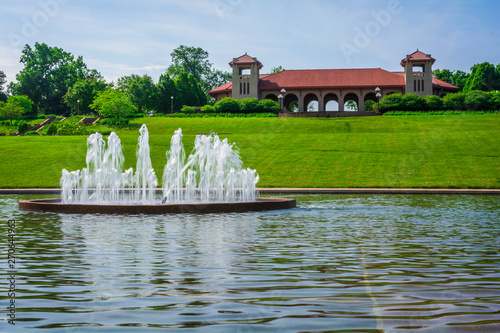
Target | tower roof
(245,60)
(417,56)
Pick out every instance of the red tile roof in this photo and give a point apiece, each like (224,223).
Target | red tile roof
(245,60)
(417,56)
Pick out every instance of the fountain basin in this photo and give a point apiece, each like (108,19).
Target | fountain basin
(55,205)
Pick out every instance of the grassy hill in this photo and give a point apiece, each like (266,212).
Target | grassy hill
(441,151)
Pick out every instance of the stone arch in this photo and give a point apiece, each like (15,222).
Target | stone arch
(351,97)
(289,99)
(308,99)
(331,101)
(271,97)
(371,97)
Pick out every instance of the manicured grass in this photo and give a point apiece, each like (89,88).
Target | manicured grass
(442,151)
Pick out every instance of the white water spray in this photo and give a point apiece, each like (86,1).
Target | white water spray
(212,173)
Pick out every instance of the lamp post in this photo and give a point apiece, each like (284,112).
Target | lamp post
(378,95)
(78,112)
(280,99)
(171,104)
(283,92)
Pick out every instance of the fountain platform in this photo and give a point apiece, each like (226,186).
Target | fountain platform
(56,206)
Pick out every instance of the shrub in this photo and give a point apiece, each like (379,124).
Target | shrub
(207,108)
(414,102)
(454,101)
(370,105)
(249,105)
(227,104)
(268,105)
(188,109)
(479,100)
(52,129)
(434,102)
(391,102)
(71,128)
(22,126)
(32,133)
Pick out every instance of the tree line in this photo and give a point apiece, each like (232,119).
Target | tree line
(484,76)
(56,82)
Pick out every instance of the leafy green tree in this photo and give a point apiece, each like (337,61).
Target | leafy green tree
(227,104)
(16,106)
(3,93)
(457,78)
(47,74)
(196,87)
(350,104)
(141,89)
(275,70)
(186,90)
(166,90)
(483,77)
(113,103)
(194,60)
(85,91)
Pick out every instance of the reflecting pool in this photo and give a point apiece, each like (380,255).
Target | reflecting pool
(336,263)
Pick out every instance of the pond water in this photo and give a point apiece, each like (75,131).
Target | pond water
(336,263)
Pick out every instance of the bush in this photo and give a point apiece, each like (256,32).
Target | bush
(391,102)
(188,109)
(32,133)
(207,108)
(414,102)
(227,104)
(434,102)
(268,105)
(370,105)
(52,129)
(71,128)
(479,100)
(454,101)
(249,105)
(22,126)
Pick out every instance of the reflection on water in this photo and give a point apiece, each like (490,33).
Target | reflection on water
(335,263)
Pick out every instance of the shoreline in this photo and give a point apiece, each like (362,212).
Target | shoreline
(442,191)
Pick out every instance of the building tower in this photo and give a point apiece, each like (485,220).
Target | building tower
(418,73)
(245,77)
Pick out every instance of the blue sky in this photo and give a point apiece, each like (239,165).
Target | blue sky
(121,37)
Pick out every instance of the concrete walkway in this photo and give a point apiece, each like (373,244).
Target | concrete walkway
(308,191)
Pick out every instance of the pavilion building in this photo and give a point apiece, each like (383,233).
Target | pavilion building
(326,85)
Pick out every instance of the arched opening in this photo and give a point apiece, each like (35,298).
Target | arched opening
(331,102)
(310,103)
(351,102)
(291,103)
(272,97)
(371,97)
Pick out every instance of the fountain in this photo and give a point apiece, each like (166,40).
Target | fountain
(211,180)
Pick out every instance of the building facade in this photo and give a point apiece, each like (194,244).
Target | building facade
(331,85)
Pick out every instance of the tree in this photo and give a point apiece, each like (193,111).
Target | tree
(352,105)
(275,70)
(85,91)
(47,74)
(186,91)
(3,93)
(457,78)
(113,103)
(192,60)
(166,90)
(141,89)
(483,77)
(16,106)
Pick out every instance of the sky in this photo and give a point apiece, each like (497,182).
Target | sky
(123,37)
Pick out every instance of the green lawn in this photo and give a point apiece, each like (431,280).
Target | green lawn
(449,151)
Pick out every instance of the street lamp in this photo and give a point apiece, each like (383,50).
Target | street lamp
(378,95)
(280,99)
(283,93)
(172,104)
(78,101)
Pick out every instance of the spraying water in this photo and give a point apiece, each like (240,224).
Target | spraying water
(213,172)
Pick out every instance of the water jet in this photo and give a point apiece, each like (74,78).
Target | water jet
(211,179)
